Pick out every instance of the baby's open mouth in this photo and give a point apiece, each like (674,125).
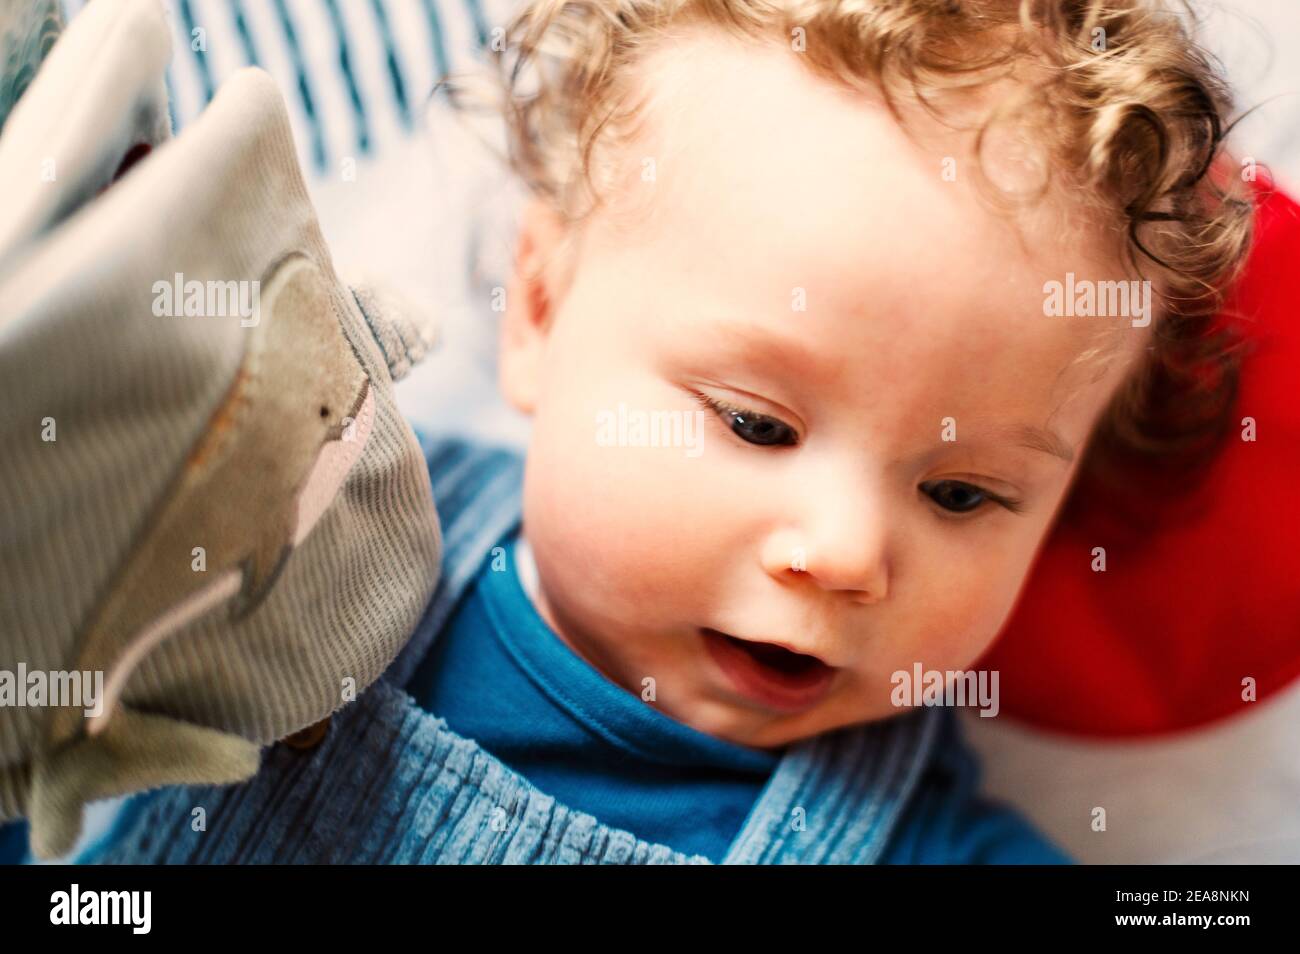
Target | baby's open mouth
(772,675)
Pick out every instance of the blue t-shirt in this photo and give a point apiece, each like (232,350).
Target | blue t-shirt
(501,676)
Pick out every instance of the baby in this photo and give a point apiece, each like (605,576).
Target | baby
(819,309)
(880,275)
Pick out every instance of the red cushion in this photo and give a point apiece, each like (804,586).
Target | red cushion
(1164,637)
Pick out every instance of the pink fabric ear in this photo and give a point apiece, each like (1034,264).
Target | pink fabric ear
(332,466)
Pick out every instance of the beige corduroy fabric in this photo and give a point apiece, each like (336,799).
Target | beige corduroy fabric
(161,466)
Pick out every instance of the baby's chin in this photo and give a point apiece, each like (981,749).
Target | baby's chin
(757,728)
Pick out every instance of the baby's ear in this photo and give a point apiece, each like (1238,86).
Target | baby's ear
(544,260)
(538,280)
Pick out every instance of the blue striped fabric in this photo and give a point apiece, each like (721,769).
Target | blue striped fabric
(355,73)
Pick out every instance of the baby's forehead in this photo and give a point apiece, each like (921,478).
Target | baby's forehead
(738,143)
(764,191)
(818,336)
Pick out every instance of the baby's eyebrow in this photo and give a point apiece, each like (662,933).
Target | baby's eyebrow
(755,343)
(1042,439)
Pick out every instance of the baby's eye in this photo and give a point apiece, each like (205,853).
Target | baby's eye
(955,495)
(750,426)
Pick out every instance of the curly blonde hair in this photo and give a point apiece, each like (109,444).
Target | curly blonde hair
(1132,113)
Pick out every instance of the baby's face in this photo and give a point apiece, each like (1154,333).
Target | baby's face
(813,292)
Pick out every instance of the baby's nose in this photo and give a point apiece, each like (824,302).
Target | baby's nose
(837,555)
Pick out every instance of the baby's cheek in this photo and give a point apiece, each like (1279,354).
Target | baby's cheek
(615,512)
(962,615)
